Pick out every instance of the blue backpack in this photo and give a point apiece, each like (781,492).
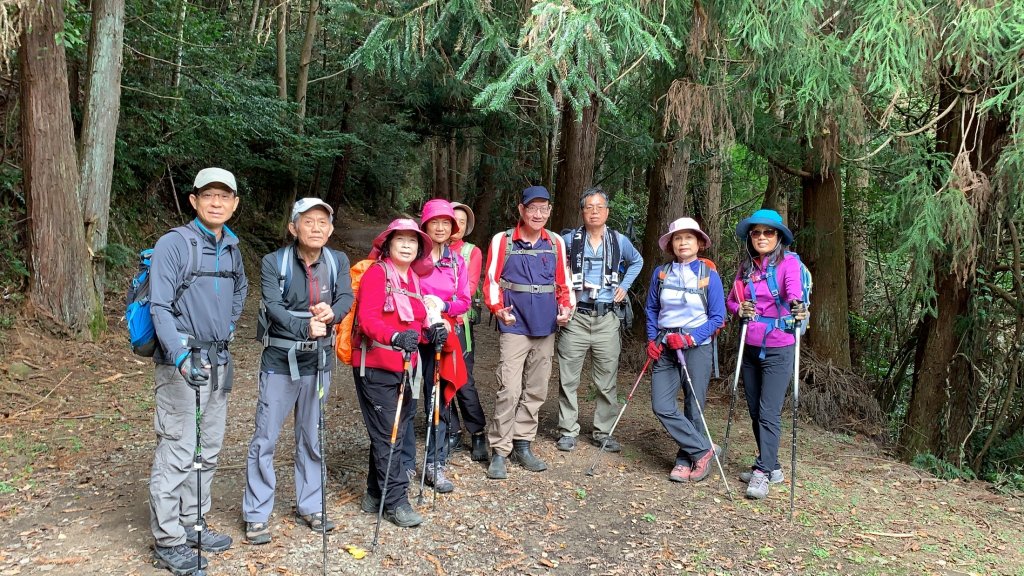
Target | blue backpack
(141,333)
(785,320)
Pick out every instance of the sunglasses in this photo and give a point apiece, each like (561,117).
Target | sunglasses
(769,233)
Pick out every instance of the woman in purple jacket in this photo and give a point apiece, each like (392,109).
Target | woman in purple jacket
(766,266)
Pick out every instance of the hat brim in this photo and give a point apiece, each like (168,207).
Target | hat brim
(455,223)
(378,242)
(743,228)
(667,237)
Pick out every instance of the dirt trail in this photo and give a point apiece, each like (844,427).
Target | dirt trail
(75,471)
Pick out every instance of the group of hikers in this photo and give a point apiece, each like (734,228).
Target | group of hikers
(414,308)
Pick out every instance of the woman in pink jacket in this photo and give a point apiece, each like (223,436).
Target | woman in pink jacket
(766,266)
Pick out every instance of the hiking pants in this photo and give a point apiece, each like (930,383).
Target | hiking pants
(600,336)
(765,383)
(524,367)
(467,400)
(173,487)
(426,355)
(279,397)
(378,400)
(683,426)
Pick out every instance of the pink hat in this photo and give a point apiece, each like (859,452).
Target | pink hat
(679,225)
(438,208)
(398,224)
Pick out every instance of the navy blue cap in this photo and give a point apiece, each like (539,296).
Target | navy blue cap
(535,193)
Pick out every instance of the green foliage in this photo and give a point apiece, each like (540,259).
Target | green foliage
(941,468)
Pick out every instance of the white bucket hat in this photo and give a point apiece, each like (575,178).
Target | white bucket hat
(679,225)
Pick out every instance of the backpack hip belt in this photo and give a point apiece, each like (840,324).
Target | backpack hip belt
(530,288)
(296,346)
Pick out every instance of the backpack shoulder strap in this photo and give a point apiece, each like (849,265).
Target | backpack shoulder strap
(284,268)
(663,271)
(332,267)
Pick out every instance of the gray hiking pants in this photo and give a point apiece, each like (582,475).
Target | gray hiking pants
(684,426)
(765,383)
(173,487)
(279,397)
(600,336)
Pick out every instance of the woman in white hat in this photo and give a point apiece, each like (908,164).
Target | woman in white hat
(685,307)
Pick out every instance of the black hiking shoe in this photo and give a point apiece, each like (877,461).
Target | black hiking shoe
(479,448)
(497,470)
(455,442)
(181,560)
(566,443)
(612,445)
(522,455)
(213,541)
(370,505)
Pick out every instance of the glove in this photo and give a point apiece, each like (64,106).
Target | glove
(654,350)
(678,341)
(747,311)
(799,310)
(195,376)
(406,340)
(437,334)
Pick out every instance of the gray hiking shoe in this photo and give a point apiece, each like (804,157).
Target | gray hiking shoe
(776,477)
(497,470)
(316,521)
(257,533)
(213,541)
(403,516)
(181,560)
(566,443)
(612,445)
(370,505)
(437,478)
(757,489)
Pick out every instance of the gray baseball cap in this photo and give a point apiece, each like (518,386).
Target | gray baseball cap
(208,176)
(304,205)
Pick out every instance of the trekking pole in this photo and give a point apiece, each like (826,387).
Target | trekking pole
(406,367)
(322,362)
(796,404)
(197,463)
(593,463)
(735,385)
(426,449)
(437,417)
(700,411)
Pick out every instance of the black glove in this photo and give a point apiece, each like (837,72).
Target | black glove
(406,340)
(437,334)
(195,376)
(798,310)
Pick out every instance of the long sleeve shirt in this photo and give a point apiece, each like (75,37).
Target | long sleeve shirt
(379,324)
(449,281)
(787,275)
(672,308)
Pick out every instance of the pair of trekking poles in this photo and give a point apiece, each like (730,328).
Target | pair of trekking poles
(732,409)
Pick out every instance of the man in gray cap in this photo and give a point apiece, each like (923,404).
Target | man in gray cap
(306,289)
(197,288)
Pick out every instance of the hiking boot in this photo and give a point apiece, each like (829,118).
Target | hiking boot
(403,516)
(566,443)
(455,442)
(181,560)
(497,470)
(257,533)
(437,479)
(316,521)
(370,505)
(776,477)
(611,446)
(522,455)
(680,473)
(702,467)
(213,541)
(757,489)
(479,450)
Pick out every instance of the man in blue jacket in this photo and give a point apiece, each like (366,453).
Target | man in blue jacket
(197,289)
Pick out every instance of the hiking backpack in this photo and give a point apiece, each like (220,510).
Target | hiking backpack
(137,314)
(284,279)
(785,319)
(703,280)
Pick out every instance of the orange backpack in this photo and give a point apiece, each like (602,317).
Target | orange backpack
(343,335)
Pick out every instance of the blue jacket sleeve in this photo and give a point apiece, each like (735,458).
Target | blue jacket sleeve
(716,309)
(636,262)
(653,306)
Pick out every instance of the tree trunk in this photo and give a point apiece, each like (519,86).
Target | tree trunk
(343,162)
(713,207)
(485,183)
(775,193)
(61,284)
(179,48)
(282,51)
(575,164)
(856,248)
(254,18)
(99,128)
(302,80)
(677,180)
(823,250)
(439,160)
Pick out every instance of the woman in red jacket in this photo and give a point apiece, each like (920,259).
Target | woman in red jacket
(391,323)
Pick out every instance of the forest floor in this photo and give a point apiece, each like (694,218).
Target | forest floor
(77,440)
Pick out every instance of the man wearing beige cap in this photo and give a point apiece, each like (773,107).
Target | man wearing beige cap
(306,289)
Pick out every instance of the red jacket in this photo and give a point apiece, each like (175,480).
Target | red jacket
(379,325)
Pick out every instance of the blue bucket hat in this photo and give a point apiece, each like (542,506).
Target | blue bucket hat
(765,218)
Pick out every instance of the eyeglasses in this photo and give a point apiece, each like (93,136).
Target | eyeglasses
(769,233)
(539,209)
(594,208)
(210,195)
